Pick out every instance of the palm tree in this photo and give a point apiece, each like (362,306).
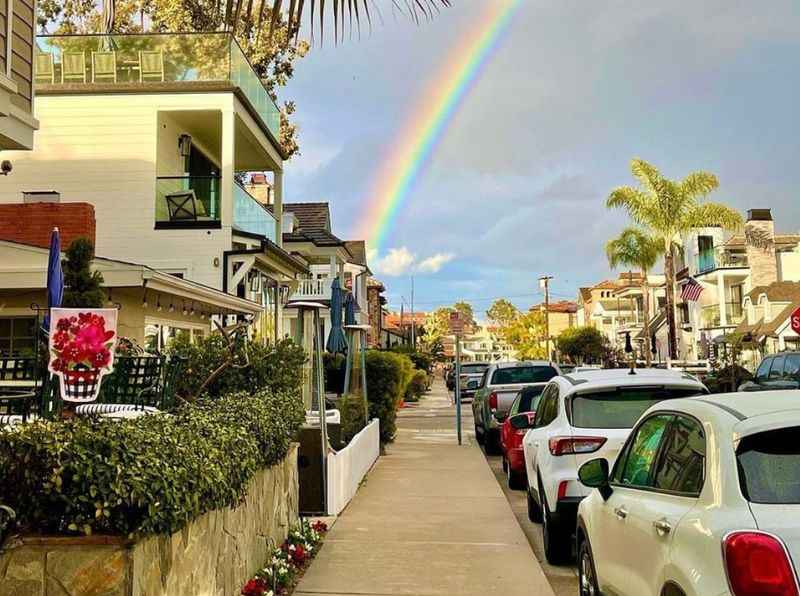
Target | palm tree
(668,209)
(634,248)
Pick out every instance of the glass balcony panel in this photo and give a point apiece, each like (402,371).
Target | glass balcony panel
(251,216)
(188,201)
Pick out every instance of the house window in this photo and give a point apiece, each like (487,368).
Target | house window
(17,336)
(705,251)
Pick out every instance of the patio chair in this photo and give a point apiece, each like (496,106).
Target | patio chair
(151,66)
(45,68)
(134,386)
(104,67)
(182,205)
(73,67)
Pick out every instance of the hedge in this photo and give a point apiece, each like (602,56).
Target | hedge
(417,386)
(388,375)
(151,475)
(353,416)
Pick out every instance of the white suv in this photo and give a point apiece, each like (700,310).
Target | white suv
(582,416)
(704,499)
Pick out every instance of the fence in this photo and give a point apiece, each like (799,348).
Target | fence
(347,468)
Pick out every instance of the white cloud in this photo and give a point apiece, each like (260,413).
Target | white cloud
(401,261)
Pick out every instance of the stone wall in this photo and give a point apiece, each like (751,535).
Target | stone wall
(213,555)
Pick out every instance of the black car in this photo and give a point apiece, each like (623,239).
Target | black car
(778,371)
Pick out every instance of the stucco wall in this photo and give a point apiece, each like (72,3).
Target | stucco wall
(213,555)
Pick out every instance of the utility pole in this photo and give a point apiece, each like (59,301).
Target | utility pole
(413,319)
(402,328)
(544,283)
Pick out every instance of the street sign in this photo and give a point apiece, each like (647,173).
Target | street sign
(796,320)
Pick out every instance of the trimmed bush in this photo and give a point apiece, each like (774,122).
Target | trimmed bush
(151,475)
(277,367)
(388,375)
(417,387)
(353,411)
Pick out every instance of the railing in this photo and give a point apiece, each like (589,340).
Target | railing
(188,201)
(251,216)
(709,260)
(711,317)
(313,289)
(148,60)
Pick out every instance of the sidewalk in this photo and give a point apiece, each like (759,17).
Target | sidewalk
(430,519)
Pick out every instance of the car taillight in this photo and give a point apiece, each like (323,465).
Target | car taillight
(493,400)
(566,445)
(757,564)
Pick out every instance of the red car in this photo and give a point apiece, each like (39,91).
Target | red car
(519,420)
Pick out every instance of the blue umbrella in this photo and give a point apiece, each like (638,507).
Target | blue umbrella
(349,310)
(55,276)
(337,343)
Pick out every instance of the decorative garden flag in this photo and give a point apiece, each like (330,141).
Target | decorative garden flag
(81,347)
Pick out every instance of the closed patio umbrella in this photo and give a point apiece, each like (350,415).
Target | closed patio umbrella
(55,276)
(349,310)
(337,343)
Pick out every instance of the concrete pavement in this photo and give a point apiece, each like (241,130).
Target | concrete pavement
(430,519)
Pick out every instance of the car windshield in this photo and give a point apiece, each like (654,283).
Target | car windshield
(523,374)
(529,399)
(472,369)
(769,466)
(622,407)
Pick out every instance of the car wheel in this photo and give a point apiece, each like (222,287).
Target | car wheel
(587,576)
(515,479)
(557,548)
(505,465)
(534,511)
(479,435)
(492,443)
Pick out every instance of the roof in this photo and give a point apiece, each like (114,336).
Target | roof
(393,319)
(603,378)
(771,328)
(562,306)
(317,237)
(310,216)
(780,239)
(374,283)
(357,248)
(749,404)
(779,291)
(586,293)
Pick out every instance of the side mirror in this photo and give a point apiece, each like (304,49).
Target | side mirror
(472,385)
(594,474)
(522,422)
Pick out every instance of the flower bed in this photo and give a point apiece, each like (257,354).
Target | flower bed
(288,562)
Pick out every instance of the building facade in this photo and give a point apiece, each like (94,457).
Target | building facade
(17,121)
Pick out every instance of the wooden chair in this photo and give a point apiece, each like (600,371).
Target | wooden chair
(182,205)
(45,68)
(104,67)
(73,67)
(151,66)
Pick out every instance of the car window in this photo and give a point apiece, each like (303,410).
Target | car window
(681,463)
(641,454)
(529,399)
(791,370)
(514,409)
(523,374)
(763,369)
(620,408)
(549,410)
(769,466)
(776,371)
(473,369)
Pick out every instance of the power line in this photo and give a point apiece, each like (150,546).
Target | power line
(451,300)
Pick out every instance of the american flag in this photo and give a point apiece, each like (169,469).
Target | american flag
(691,290)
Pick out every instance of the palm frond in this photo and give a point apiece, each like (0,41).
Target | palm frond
(634,248)
(647,175)
(712,215)
(699,184)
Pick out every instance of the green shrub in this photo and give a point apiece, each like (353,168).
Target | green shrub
(353,411)
(277,367)
(151,475)
(388,375)
(418,386)
(334,366)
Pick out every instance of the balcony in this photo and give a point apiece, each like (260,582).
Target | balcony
(151,62)
(711,260)
(251,216)
(710,316)
(312,289)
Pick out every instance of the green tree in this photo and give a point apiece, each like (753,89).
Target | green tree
(82,286)
(502,313)
(582,344)
(635,248)
(526,335)
(668,209)
(436,327)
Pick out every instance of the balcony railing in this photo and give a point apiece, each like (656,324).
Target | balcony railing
(251,216)
(188,202)
(710,316)
(152,60)
(709,260)
(313,289)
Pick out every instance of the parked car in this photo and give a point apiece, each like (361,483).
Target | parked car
(519,420)
(580,417)
(471,376)
(497,391)
(704,499)
(779,371)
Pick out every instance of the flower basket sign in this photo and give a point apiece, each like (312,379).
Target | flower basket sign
(81,348)
(796,320)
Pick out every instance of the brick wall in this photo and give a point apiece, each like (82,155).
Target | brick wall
(32,223)
(760,245)
(375,316)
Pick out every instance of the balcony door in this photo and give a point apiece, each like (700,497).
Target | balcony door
(705,250)
(203,179)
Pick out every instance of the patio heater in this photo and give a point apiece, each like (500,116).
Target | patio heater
(355,372)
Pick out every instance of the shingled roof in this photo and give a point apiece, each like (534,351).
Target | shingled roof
(780,291)
(357,248)
(310,216)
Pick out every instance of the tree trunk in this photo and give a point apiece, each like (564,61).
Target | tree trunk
(669,271)
(648,354)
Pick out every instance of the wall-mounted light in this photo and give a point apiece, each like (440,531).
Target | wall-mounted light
(216,261)
(185,145)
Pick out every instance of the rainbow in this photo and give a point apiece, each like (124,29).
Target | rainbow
(429,119)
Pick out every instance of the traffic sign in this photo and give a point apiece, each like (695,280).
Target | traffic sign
(796,320)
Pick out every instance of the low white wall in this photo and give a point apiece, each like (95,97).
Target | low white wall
(347,468)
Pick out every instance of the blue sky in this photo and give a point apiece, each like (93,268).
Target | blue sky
(517,187)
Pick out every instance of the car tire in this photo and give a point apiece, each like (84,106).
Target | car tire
(492,443)
(479,435)
(505,465)
(587,575)
(516,481)
(534,511)
(556,538)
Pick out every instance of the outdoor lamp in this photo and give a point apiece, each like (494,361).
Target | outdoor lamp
(185,145)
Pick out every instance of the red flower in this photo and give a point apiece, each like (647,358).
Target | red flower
(255,587)
(101,358)
(73,353)
(299,555)
(63,324)
(58,364)
(319,526)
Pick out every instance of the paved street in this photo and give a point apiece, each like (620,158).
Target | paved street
(430,519)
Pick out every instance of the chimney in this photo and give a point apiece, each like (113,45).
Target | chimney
(759,239)
(41,196)
(260,189)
